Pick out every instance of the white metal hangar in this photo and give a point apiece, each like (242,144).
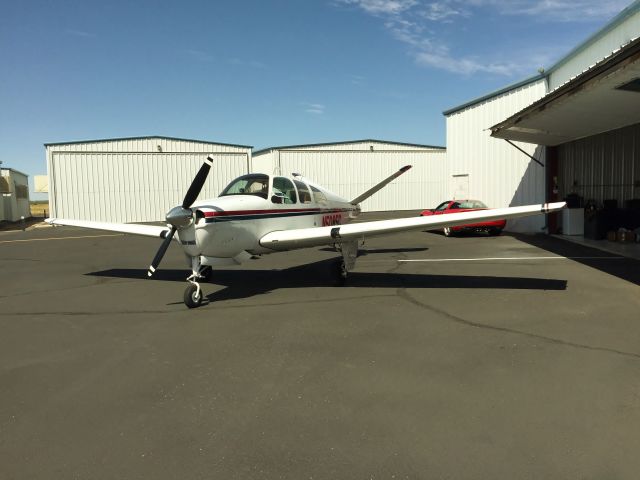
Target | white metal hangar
(14,195)
(350,168)
(579,122)
(134,179)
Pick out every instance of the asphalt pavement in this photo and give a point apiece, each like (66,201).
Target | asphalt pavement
(464,358)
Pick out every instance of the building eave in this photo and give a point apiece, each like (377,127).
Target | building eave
(367,140)
(148,137)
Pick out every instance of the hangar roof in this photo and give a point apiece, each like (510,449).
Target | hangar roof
(617,20)
(148,137)
(604,97)
(14,171)
(367,140)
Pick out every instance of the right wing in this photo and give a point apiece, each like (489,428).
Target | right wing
(310,237)
(132,228)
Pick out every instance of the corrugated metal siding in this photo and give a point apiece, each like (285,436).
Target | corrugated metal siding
(23,208)
(602,167)
(11,207)
(129,184)
(608,43)
(499,175)
(263,163)
(5,200)
(350,173)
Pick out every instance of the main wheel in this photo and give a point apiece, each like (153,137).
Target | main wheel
(447,231)
(192,298)
(341,272)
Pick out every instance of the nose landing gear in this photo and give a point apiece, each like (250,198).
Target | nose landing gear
(193,294)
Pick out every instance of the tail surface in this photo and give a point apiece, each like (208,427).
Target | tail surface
(380,185)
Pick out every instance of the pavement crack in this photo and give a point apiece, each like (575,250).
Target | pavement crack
(402,293)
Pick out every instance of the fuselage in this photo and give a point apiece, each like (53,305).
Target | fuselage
(256,204)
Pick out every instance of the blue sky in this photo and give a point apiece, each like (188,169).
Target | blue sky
(266,73)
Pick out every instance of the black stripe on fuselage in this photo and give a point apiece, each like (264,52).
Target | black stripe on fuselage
(258,216)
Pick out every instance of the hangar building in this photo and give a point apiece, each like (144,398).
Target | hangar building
(14,195)
(134,179)
(580,119)
(350,168)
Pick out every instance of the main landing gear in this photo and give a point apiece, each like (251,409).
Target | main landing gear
(345,264)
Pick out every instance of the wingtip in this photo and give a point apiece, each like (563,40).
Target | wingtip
(405,168)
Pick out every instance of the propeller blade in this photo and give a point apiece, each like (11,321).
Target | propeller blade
(161,252)
(198,183)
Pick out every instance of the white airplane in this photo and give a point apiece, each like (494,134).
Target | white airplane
(258,214)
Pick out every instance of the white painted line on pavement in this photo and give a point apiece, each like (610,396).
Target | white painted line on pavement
(507,258)
(61,238)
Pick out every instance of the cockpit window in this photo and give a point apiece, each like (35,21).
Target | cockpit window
(303,190)
(254,184)
(283,191)
(320,197)
(442,206)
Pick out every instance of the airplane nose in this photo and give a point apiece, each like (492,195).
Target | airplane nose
(180,217)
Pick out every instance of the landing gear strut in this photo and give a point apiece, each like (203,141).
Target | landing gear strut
(193,293)
(345,264)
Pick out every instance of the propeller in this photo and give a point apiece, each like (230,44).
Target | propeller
(182,215)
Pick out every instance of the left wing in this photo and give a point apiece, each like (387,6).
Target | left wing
(309,237)
(132,228)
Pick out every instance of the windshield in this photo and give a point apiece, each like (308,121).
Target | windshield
(472,204)
(254,184)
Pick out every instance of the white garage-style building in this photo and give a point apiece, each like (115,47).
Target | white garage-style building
(14,195)
(573,131)
(350,168)
(134,179)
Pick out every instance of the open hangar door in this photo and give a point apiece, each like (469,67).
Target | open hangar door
(591,128)
(600,176)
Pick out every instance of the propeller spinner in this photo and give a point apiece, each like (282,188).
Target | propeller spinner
(182,216)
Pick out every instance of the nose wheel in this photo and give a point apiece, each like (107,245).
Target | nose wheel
(193,295)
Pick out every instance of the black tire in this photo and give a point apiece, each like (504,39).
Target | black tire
(192,300)
(494,232)
(340,272)
(447,232)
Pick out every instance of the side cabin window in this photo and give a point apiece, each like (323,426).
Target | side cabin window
(253,184)
(303,190)
(283,191)
(320,197)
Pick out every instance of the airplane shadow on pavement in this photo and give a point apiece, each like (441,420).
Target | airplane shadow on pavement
(243,283)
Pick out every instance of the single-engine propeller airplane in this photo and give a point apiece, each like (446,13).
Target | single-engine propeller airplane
(258,214)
